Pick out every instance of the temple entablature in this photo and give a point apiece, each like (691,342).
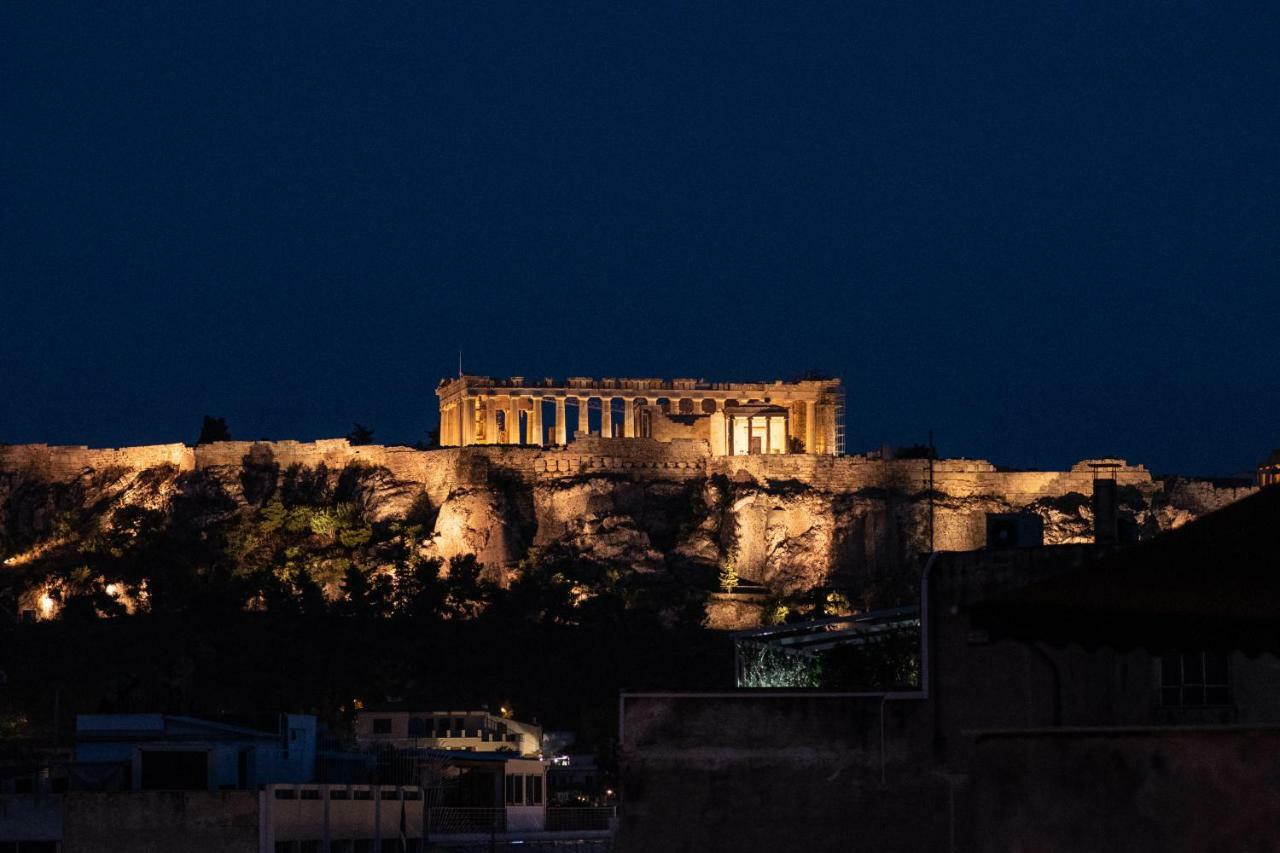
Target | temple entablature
(734,418)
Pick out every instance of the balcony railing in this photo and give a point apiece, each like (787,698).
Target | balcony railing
(454,820)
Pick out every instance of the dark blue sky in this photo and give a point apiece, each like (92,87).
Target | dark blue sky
(1046,230)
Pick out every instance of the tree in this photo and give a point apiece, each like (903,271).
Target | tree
(360,434)
(419,590)
(468,593)
(213,429)
(355,589)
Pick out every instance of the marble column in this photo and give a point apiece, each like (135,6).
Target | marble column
(583,405)
(562,433)
(513,421)
(537,437)
(490,420)
(468,421)
(810,426)
(629,417)
(606,417)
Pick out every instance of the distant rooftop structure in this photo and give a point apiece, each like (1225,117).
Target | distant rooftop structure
(146,752)
(471,731)
(1269,471)
(734,418)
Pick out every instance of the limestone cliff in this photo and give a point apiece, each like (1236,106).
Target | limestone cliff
(787,524)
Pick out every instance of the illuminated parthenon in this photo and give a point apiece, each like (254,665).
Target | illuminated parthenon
(734,418)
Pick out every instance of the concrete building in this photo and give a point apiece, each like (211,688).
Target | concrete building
(464,796)
(734,418)
(1070,698)
(161,752)
(475,731)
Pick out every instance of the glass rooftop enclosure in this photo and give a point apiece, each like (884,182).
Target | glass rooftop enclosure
(868,652)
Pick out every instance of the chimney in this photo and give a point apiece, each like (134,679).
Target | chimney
(1106,514)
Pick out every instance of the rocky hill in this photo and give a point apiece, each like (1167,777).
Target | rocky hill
(115,530)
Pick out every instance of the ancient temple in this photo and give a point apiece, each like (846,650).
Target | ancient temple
(733,418)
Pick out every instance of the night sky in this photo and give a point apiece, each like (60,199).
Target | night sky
(1045,230)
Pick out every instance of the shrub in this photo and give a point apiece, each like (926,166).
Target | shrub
(729,573)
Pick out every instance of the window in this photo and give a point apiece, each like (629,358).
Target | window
(1195,680)
(309,847)
(390,794)
(286,794)
(382,726)
(413,795)
(417,727)
(285,847)
(362,794)
(338,794)
(363,845)
(515,789)
(533,790)
(310,793)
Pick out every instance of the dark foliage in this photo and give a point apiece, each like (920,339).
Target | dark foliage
(360,434)
(213,429)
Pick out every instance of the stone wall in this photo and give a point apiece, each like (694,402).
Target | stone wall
(161,822)
(52,462)
(680,458)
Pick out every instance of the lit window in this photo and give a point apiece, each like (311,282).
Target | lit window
(1195,680)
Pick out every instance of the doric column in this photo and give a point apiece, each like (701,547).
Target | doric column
(536,435)
(629,417)
(584,404)
(810,426)
(513,421)
(468,421)
(490,420)
(768,438)
(673,405)
(562,433)
(606,417)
